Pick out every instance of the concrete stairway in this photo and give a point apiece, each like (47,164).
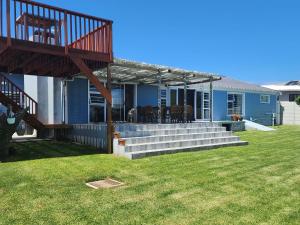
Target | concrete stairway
(141,140)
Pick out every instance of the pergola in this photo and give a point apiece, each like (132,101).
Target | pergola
(124,71)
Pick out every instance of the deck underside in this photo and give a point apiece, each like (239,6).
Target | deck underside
(26,57)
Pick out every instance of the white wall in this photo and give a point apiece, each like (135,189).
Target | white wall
(49,100)
(30,86)
(290,111)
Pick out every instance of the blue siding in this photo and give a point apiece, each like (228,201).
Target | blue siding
(220,105)
(17,80)
(147,95)
(78,101)
(259,112)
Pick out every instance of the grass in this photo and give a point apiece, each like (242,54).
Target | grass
(255,184)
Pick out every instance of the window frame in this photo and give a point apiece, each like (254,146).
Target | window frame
(265,102)
(242,106)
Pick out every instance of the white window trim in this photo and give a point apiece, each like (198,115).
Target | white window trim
(243,102)
(269,99)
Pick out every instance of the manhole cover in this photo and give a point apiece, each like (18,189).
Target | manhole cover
(107,183)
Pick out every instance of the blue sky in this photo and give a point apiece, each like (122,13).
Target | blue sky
(251,40)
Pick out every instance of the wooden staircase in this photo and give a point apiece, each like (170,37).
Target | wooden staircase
(11,94)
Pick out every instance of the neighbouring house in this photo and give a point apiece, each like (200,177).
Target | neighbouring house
(290,111)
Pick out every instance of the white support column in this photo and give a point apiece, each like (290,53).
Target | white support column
(135,102)
(210,99)
(185,100)
(159,98)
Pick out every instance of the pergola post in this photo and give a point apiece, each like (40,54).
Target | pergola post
(109,112)
(210,98)
(185,100)
(159,98)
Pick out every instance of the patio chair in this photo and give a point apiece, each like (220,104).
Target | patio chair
(149,114)
(189,116)
(175,113)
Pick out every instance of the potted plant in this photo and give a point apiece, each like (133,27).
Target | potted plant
(235,117)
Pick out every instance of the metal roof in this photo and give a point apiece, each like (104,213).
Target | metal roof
(124,71)
(283,87)
(232,84)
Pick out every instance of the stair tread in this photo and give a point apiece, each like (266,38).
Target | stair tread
(174,141)
(175,135)
(188,147)
(193,128)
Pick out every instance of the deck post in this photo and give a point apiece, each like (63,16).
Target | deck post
(8,22)
(159,98)
(66,32)
(185,100)
(210,98)
(109,113)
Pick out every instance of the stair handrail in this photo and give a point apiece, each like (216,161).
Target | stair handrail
(17,90)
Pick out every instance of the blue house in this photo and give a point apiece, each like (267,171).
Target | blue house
(76,100)
(229,97)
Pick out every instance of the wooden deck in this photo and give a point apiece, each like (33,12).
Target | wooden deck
(25,57)
(39,39)
(44,40)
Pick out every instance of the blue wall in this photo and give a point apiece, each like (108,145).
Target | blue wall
(147,95)
(260,112)
(220,105)
(77,101)
(17,80)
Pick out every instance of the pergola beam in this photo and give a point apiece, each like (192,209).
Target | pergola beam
(163,69)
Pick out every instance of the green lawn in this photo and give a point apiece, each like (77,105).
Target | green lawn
(255,184)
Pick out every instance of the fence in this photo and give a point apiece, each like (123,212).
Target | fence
(89,134)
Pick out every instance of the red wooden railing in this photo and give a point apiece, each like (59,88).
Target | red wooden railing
(36,22)
(17,95)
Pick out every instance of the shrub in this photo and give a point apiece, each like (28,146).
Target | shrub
(297,100)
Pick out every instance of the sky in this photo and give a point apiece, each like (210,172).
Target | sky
(251,40)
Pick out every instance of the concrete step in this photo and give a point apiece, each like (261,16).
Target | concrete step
(148,153)
(175,137)
(179,143)
(174,131)
(141,127)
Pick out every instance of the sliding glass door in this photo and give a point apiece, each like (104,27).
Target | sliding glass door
(122,101)
(202,105)
(97,105)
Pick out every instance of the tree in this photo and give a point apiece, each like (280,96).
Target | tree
(297,100)
(7,131)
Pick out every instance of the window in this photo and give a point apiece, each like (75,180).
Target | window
(97,107)
(95,96)
(206,105)
(173,97)
(235,104)
(265,99)
(163,97)
(292,97)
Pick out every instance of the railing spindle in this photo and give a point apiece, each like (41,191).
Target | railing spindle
(33,22)
(26,23)
(15,19)
(8,22)
(1,18)
(39,26)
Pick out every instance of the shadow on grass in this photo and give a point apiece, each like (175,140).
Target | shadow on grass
(48,149)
